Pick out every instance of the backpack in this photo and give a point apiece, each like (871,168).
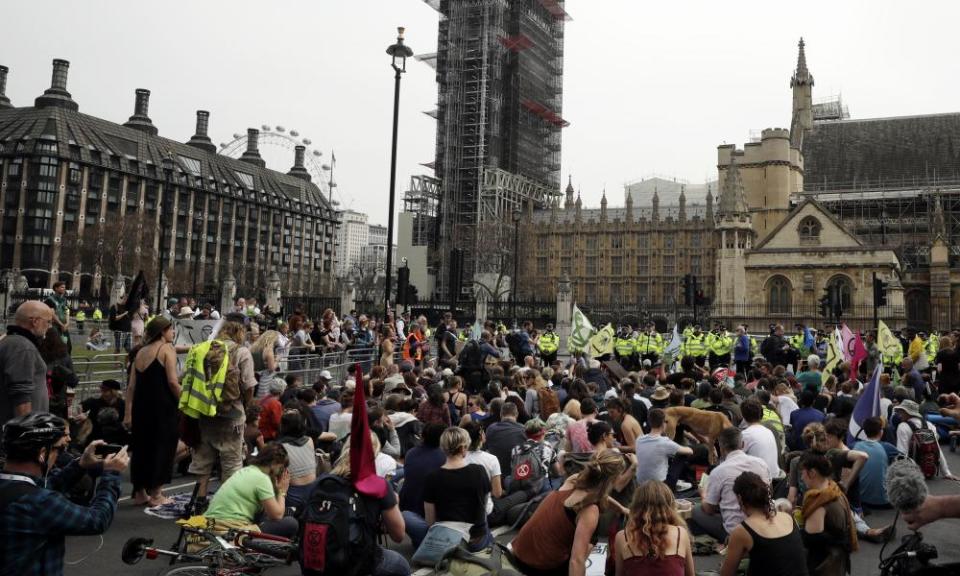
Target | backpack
(470,357)
(337,531)
(410,436)
(527,469)
(924,449)
(549,402)
(231,385)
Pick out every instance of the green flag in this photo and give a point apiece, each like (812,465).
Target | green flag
(601,343)
(580,332)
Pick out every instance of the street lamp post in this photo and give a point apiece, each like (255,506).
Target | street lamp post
(399,53)
(167,190)
(516,262)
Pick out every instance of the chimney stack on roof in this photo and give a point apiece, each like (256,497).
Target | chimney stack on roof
(252,154)
(299,170)
(141,114)
(4,101)
(200,139)
(56,94)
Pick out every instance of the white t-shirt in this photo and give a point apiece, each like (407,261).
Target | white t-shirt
(759,441)
(905,434)
(785,407)
(491,464)
(386,465)
(340,424)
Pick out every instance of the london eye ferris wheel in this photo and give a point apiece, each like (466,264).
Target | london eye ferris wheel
(279,138)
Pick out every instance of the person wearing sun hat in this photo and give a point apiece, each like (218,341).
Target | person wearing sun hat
(911,419)
(660,396)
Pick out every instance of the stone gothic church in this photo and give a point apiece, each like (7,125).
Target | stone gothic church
(828,203)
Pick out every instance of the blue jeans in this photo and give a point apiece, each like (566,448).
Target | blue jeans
(943,423)
(415,527)
(392,564)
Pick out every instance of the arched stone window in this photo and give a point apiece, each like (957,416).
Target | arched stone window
(779,296)
(844,289)
(809,230)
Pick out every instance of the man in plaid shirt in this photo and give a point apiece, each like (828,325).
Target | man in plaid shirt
(35,515)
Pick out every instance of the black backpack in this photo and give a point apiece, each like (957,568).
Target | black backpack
(338,530)
(470,358)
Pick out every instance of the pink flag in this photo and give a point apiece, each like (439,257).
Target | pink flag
(858,356)
(846,342)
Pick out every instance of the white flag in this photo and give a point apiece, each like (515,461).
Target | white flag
(672,349)
(581,331)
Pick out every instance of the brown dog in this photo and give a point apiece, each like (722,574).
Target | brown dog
(702,423)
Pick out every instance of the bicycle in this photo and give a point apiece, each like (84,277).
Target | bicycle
(915,558)
(234,553)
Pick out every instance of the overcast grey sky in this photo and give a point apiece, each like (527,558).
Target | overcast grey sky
(649,87)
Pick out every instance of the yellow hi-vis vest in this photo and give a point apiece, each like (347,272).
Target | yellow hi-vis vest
(931,346)
(694,346)
(649,344)
(624,346)
(548,343)
(81,316)
(97,314)
(199,396)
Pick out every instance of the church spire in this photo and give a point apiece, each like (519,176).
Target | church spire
(732,200)
(629,205)
(802,85)
(569,200)
(655,214)
(939,228)
(683,203)
(801,74)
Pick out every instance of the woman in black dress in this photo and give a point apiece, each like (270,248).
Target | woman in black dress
(153,392)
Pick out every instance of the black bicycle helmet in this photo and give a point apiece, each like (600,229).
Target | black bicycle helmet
(32,432)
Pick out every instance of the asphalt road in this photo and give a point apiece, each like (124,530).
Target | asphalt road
(86,556)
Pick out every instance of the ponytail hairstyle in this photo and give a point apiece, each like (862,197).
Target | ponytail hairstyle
(754,492)
(598,476)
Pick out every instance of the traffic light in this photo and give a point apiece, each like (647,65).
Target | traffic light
(403,285)
(688,289)
(825,305)
(879,292)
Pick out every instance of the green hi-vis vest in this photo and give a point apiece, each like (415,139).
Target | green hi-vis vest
(199,396)
(548,343)
(624,346)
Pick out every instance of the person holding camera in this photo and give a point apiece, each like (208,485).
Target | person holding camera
(35,514)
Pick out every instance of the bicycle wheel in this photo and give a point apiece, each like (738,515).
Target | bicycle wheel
(191,570)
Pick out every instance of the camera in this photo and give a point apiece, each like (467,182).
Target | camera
(107,449)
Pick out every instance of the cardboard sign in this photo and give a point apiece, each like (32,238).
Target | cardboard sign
(190,332)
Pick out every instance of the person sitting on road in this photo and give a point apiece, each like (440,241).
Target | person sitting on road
(557,538)
(257,494)
(655,541)
(35,514)
(768,537)
(458,491)
(303,458)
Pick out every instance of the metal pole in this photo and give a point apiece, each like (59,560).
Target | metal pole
(876,308)
(393,183)
(516,260)
(163,246)
(695,319)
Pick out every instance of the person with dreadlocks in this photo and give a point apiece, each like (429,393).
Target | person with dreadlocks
(35,514)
